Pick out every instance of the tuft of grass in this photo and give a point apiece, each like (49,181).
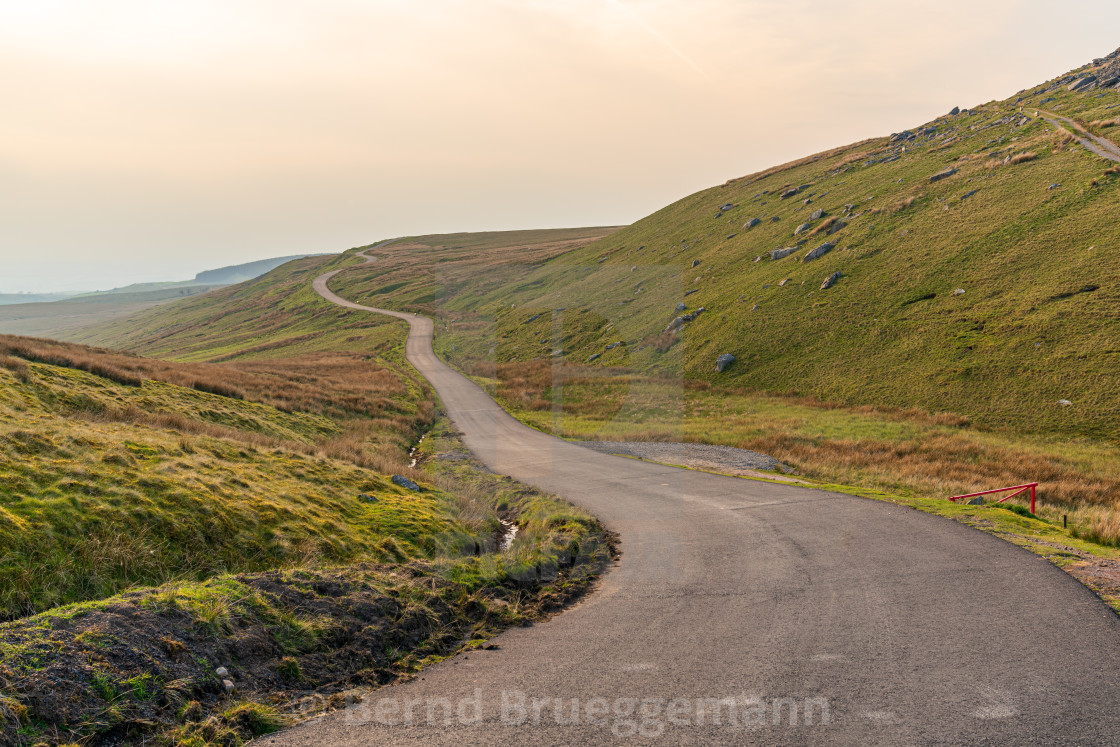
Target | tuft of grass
(1025,157)
(255,719)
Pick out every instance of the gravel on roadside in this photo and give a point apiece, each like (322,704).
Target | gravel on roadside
(691,455)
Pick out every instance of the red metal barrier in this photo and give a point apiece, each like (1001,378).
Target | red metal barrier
(1018,489)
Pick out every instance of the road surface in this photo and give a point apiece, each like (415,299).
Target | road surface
(737,602)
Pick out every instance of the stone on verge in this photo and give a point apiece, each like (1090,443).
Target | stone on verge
(724,361)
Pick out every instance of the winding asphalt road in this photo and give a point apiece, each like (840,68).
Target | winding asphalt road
(732,593)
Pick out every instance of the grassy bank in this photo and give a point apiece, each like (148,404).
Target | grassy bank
(382,581)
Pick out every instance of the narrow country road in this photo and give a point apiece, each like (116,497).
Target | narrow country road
(1100,146)
(737,602)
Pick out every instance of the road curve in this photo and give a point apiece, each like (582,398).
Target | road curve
(732,593)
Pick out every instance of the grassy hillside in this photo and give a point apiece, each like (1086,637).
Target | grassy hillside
(986,293)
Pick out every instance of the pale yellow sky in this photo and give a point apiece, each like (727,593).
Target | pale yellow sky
(148,140)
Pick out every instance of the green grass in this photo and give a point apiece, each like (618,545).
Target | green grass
(142,665)
(90,507)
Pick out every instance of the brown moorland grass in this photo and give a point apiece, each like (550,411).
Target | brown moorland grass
(903,450)
(370,401)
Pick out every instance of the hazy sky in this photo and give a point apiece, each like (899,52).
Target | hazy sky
(148,140)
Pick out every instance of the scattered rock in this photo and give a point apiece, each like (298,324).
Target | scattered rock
(1083,84)
(614,345)
(942,175)
(819,252)
(977,501)
(680,321)
(966,195)
(560,352)
(837,226)
(900,137)
(1055,185)
(1064,402)
(790,193)
(783,282)
(724,361)
(367,498)
(594,357)
(221,672)
(782,253)
(695,263)
(830,280)
(228,686)
(533,318)
(954,111)
(817,214)
(758,258)
(801,229)
(958,292)
(755,307)
(405,483)
(731,236)
(681,306)
(724,208)
(775,219)
(751,224)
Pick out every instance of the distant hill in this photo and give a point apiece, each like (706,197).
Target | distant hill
(241,273)
(230,275)
(58,319)
(59,316)
(13,298)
